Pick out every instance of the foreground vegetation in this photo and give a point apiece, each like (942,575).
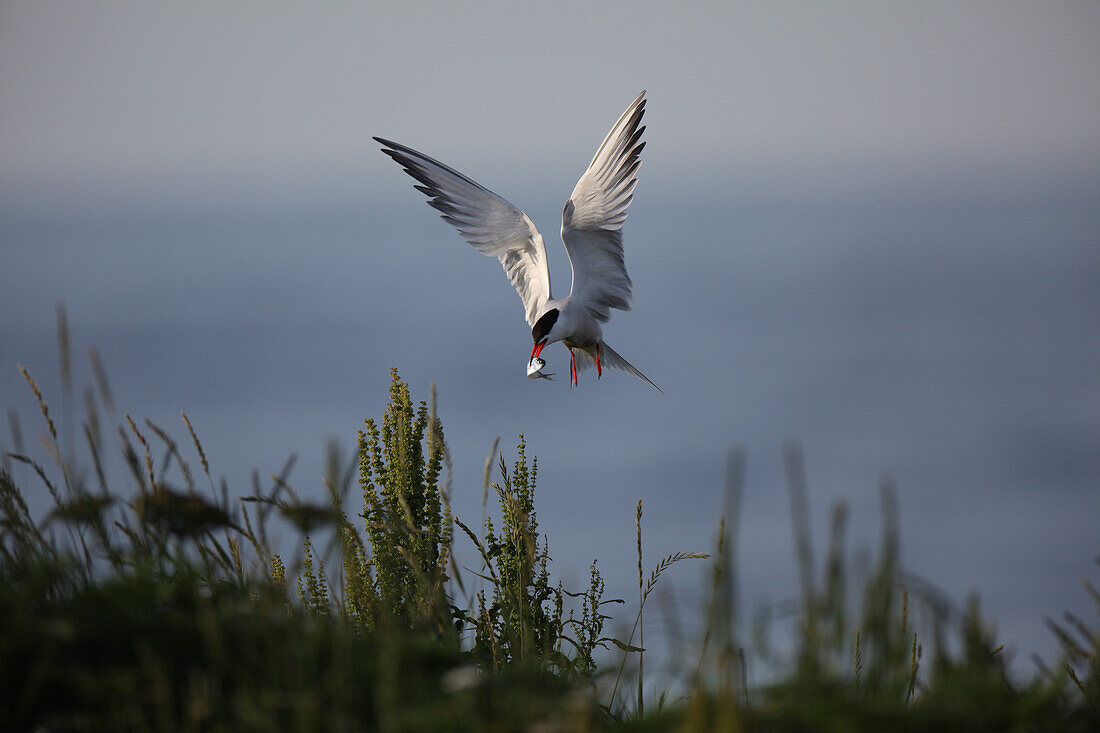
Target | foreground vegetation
(165,608)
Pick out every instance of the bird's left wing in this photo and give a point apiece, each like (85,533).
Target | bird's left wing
(488,222)
(592,222)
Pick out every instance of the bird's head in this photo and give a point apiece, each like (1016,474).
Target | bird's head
(540,332)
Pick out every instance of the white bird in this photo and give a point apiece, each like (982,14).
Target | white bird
(591,228)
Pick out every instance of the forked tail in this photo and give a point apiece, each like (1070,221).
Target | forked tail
(609,358)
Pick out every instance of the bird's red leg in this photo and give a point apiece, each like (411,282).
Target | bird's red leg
(599,371)
(572,366)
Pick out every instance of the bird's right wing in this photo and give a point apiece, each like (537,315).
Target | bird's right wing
(592,222)
(488,222)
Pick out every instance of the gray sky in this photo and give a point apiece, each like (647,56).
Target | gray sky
(172,99)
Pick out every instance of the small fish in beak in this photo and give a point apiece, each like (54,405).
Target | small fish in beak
(534,369)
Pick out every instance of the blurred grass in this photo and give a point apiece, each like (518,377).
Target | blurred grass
(163,607)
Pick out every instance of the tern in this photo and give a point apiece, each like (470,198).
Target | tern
(591,229)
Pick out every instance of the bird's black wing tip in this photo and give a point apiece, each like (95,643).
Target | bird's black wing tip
(389,147)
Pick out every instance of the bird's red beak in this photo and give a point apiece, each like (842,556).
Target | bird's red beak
(536,350)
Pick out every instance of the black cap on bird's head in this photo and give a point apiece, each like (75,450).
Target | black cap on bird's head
(541,330)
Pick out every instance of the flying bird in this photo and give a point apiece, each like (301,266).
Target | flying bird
(591,228)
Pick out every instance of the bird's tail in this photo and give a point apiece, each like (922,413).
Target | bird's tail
(609,358)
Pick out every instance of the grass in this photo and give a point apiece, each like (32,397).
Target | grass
(162,606)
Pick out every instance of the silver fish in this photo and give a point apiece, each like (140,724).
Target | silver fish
(534,369)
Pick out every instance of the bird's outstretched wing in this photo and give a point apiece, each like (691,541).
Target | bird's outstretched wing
(487,221)
(591,225)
